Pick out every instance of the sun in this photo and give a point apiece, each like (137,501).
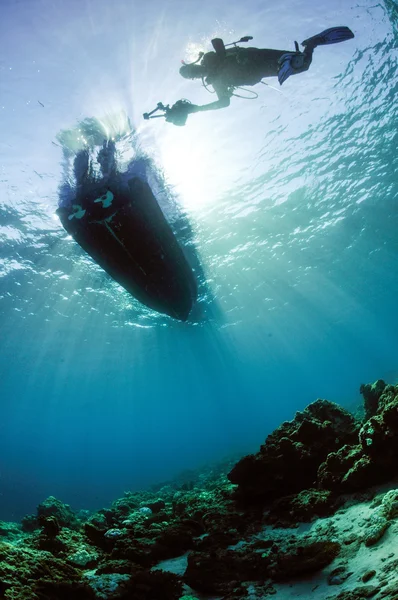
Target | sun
(190,166)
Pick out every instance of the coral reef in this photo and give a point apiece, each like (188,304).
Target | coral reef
(289,460)
(372,459)
(324,448)
(301,509)
(371,393)
(51,507)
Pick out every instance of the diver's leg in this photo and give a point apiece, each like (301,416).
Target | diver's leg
(307,58)
(293,63)
(261,62)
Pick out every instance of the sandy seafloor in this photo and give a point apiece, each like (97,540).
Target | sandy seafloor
(372,572)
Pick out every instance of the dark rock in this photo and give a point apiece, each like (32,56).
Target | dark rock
(50,526)
(109,516)
(349,539)
(372,435)
(96,535)
(29,523)
(122,567)
(50,590)
(349,470)
(379,435)
(302,507)
(221,571)
(371,393)
(99,521)
(260,591)
(373,461)
(359,476)
(338,576)
(51,544)
(368,576)
(289,460)
(176,540)
(51,507)
(156,506)
(320,448)
(48,538)
(219,539)
(337,464)
(4,586)
(139,551)
(152,585)
(364,591)
(303,558)
(375,530)
(238,593)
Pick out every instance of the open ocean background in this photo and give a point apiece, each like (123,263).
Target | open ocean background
(293,201)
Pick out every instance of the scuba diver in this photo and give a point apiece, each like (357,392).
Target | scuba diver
(227,68)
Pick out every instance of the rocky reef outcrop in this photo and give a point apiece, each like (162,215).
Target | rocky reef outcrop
(289,460)
(324,448)
(372,459)
(229,531)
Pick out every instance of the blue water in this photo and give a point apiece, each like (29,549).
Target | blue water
(292,198)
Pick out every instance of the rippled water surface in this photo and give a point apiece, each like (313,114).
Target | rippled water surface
(292,199)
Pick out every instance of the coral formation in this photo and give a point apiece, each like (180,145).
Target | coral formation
(289,460)
(51,507)
(234,532)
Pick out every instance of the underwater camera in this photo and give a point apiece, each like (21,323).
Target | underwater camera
(177,114)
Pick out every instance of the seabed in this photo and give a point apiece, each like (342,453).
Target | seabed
(313,514)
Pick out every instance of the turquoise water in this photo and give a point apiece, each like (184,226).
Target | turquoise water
(292,198)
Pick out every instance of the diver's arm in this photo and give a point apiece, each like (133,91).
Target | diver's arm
(223,94)
(222,102)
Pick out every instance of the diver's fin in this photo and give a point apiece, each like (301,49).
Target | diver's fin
(285,68)
(291,63)
(334,35)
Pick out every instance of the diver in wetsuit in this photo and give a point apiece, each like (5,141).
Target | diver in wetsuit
(228,68)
